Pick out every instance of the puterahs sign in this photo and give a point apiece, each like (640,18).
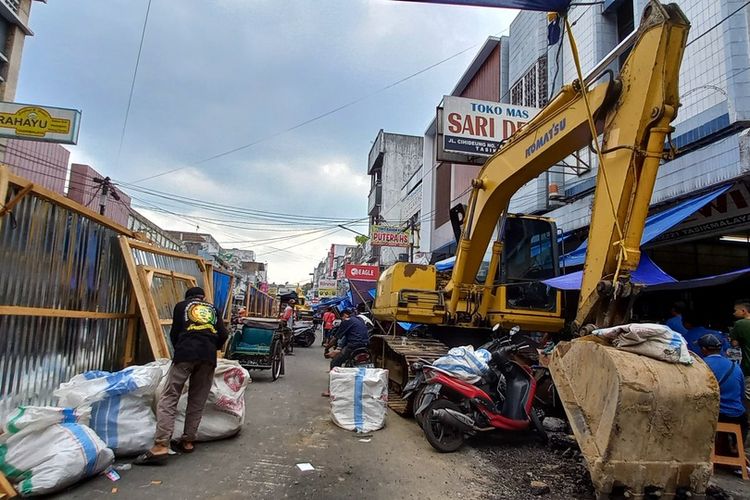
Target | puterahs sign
(362,273)
(387,236)
(472,128)
(39,123)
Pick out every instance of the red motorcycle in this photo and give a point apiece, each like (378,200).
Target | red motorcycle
(450,409)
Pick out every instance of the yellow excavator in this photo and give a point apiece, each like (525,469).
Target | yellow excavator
(642,424)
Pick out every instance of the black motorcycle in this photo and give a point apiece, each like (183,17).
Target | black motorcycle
(304,334)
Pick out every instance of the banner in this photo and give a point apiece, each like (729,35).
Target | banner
(387,236)
(362,273)
(476,128)
(39,123)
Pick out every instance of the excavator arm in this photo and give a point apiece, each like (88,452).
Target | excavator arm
(633,114)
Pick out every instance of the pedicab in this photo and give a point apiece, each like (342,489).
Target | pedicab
(257,345)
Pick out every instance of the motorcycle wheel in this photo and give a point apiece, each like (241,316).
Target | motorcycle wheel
(310,339)
(443,438)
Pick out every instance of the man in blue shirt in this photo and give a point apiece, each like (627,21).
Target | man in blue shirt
(675,321)
(731,383)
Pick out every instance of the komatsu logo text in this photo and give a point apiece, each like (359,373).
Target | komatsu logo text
(548,135)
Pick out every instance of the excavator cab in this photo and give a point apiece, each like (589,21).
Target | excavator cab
(530,256)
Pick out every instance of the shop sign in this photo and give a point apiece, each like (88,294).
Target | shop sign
(387,236)
(39,123)
(729,212)
(477,128)
(362,273)
(325,293)
(327,283)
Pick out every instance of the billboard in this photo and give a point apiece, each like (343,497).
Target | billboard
(387,236)
(39,123)
(327,287)
(470,130)
(362,273)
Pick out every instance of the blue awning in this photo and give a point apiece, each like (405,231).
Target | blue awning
(716,280)
(647,273)
(656,224)
(538,5)
(445,264)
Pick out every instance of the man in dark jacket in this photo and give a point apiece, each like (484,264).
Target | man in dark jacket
(197,333)
(352,334)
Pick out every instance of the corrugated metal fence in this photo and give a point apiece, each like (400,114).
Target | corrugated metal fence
(64,298)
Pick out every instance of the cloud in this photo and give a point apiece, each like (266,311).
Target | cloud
(211,80)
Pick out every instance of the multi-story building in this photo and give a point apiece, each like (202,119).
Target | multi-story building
(14,28)
(43,163)
(85,190)
(711,131)
(392,161)
(201,244)
(445,183)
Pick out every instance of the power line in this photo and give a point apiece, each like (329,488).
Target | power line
(709,30)
(132,84)
(311,120)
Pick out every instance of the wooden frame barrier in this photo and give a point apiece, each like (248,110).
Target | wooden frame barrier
(142,277)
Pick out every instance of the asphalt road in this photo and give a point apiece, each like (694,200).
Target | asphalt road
(287,423)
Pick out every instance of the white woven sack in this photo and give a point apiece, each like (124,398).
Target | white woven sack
(359,398)
(46,449)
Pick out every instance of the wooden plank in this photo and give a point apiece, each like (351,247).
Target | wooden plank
(142,245)
(6,489)
(18,197)
(130,337)
(169,274)
(159,343)
(60,313)
(140,293)
(71,205)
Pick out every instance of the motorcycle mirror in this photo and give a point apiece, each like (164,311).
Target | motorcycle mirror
(496,327)
(515,330)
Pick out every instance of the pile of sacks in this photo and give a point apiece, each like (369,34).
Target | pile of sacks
(102,415)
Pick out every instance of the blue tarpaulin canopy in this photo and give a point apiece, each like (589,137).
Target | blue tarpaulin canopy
(540,5)
(647,273)
(656,224)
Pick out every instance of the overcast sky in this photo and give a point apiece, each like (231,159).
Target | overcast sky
(217,75)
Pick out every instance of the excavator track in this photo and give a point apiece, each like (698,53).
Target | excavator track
(396,354)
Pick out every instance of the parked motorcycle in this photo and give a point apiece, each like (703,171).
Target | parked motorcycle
(361,358)
(450,409)
(304,334)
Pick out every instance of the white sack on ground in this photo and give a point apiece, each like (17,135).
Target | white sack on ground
(359,398)
(224,413)
(46,449)
(649,339)
(465,363)
(121,405)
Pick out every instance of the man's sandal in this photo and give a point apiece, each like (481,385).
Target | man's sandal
(149,458)
(180,446)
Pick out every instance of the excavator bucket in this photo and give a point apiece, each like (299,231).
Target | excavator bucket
(643,425)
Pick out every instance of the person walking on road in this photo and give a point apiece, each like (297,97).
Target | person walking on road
(328,318)
(197,332)
(288,315)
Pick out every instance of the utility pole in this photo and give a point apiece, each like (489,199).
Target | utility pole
(106,189)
